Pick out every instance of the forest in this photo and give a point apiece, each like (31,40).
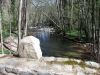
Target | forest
(76,20)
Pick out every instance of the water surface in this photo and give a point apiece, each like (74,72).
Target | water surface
(57,46)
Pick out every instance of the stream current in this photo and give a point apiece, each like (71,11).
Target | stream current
(55,45)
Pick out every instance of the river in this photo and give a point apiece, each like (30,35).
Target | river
(55,45)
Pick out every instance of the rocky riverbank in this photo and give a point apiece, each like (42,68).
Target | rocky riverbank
(10,65)
(31,61)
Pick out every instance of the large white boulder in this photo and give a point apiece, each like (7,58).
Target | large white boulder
(29,47)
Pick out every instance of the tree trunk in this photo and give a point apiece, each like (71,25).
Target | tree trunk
(24,21)
(93,25)
(9,7)
(98,55)
(26,15)
(71,20)
(1,39)
(19,21)
(13,13)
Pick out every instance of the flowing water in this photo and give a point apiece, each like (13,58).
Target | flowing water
(57,46)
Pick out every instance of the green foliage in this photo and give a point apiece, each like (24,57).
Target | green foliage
(15,35)
(5,33)
(5,16)
(5,51)
(14,25)
(74,34)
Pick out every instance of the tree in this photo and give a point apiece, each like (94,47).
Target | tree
(9,9)
(1,39)
(25,18)
(19,21)
(98,52)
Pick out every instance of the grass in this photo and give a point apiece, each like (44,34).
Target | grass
(81,64)
(6,34)
(74,34)
(69,62)
(5,51)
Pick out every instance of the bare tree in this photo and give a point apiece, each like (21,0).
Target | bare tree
(1,26)
(9,7)
(19,21)
(71,20)
(98,52)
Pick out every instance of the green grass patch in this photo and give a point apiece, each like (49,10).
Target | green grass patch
(15,35)
(81,64)
(74,34)
(69,62)
(6,33)
(6,51)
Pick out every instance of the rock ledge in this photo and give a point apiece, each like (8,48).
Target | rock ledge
(46,66)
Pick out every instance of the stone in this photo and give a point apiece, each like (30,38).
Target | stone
(26,66)
(2,71)
(80,73)
(15,71)
(11,74)
(77,60)
(34,72)
(25,73)
(9,70)
(90,70)
(29,47)
(11,43)
(49,58)
(1,55)
(39,73)
(93,64)
(62,59)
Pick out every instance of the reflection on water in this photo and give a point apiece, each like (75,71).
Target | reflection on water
(55,45)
